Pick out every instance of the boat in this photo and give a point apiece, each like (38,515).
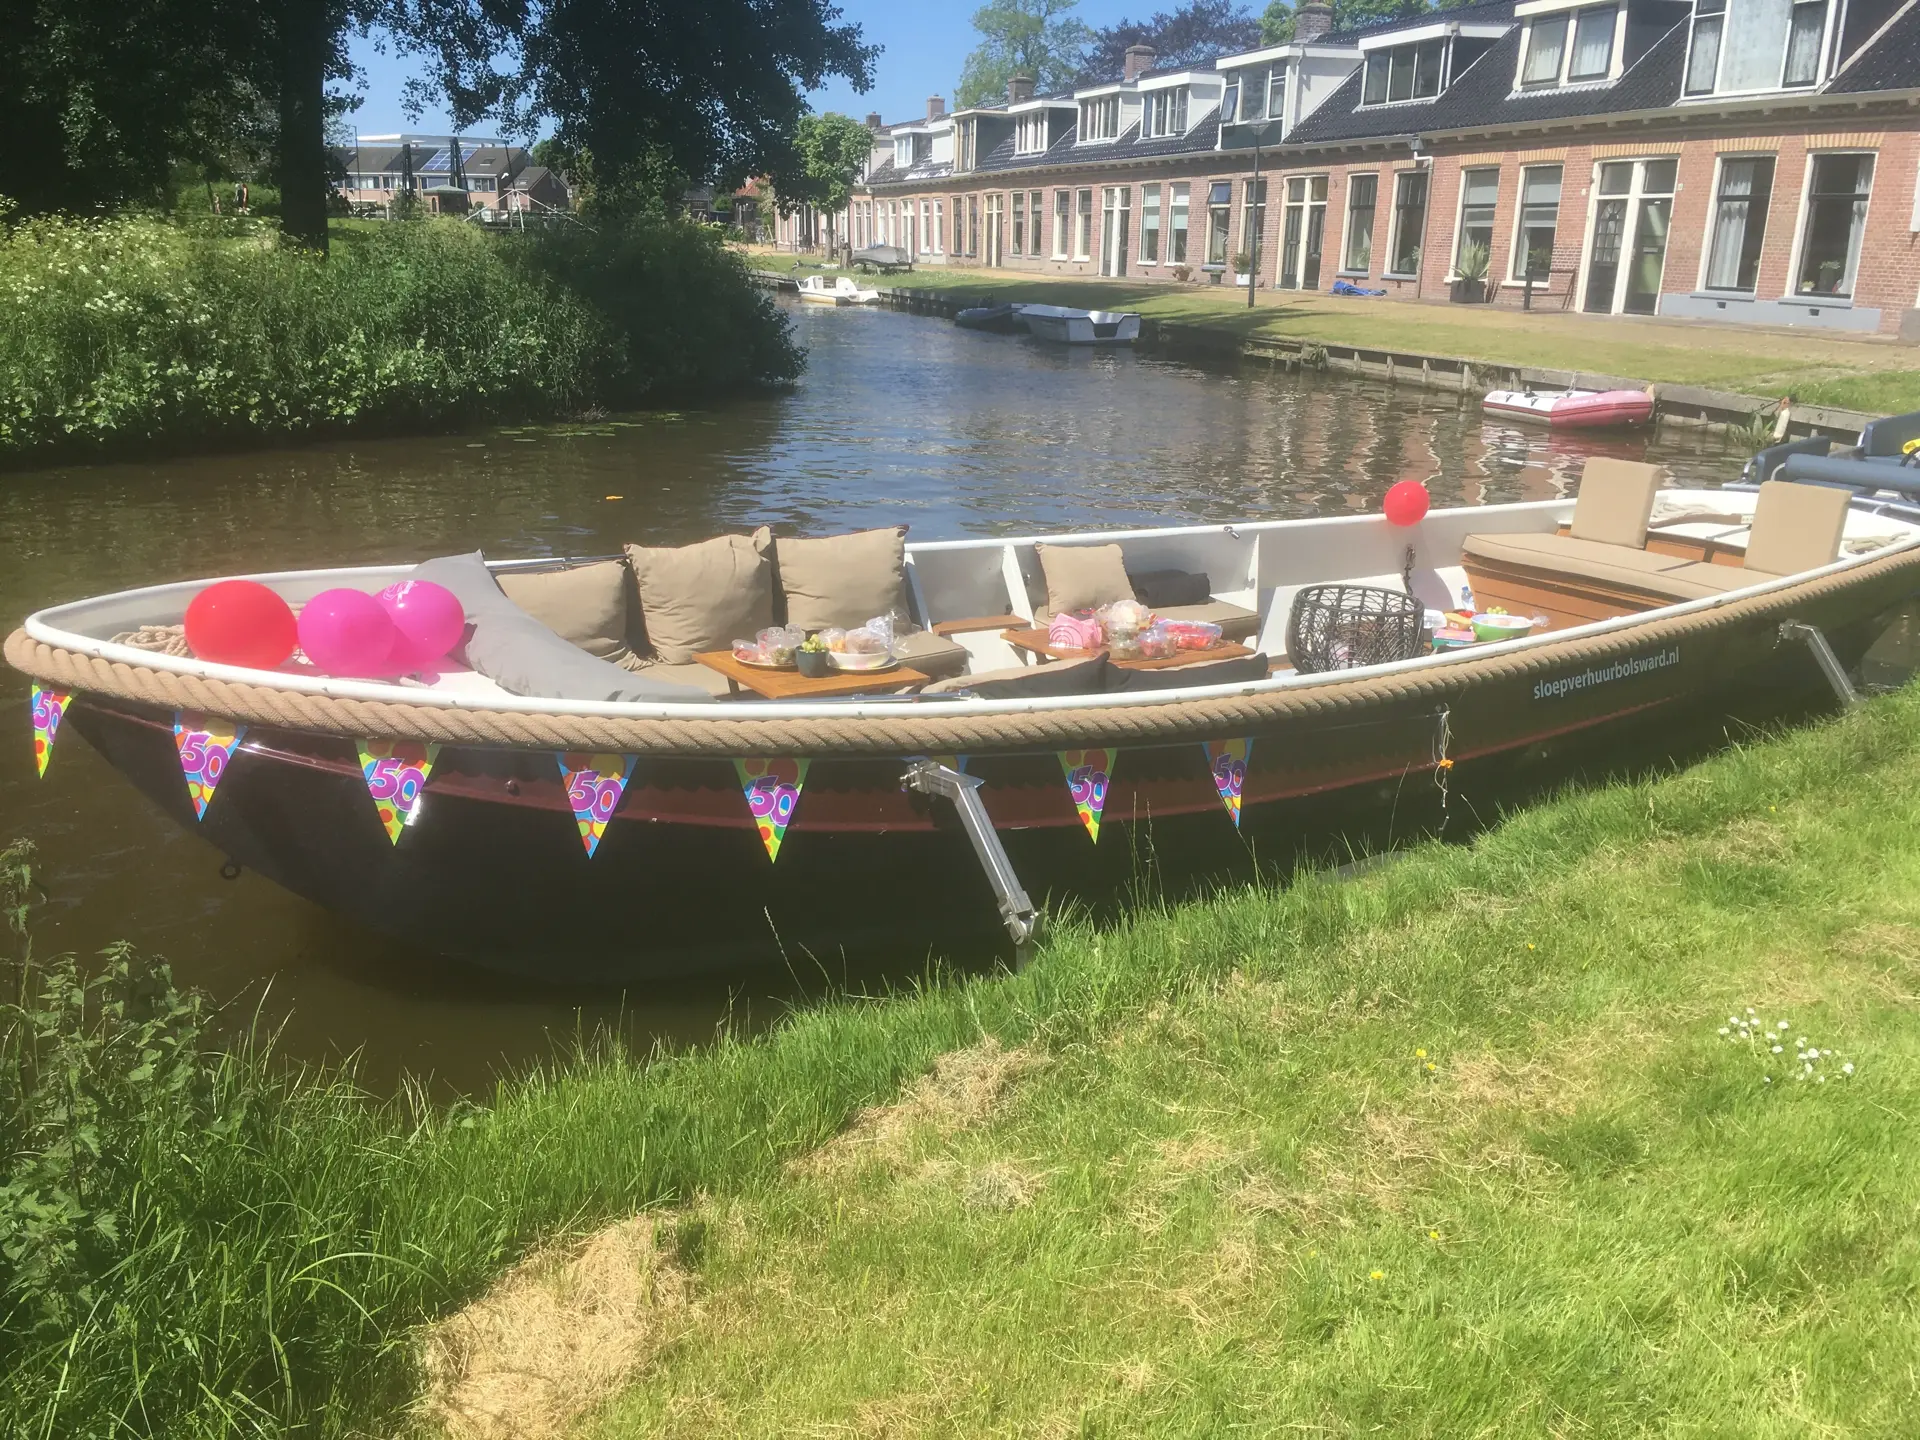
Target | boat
(841,290)
(884,258)
(1000,319)
(541,811)
(1572,409)
(1064,326)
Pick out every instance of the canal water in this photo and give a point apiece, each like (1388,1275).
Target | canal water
(899,418)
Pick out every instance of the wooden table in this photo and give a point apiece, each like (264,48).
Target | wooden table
(792,685)
(1034,641)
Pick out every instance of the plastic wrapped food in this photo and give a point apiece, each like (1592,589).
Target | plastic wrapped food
(1191,634)
(773,646)
(1075,631)
(1124,617)
(1157,642)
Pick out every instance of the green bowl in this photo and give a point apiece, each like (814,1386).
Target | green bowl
(1500,627)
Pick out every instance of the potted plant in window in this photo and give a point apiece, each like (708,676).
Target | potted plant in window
(1470,274)
(1242,268)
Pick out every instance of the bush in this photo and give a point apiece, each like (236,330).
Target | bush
(136,332)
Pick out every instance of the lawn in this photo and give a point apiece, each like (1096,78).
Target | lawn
(1462,1147)
(1865,373)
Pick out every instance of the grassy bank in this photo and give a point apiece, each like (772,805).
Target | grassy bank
(1847,372)
(132,335)
(1452,1148)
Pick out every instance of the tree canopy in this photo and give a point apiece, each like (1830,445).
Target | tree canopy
(1189,34)
(1277,21)
(1029,37)
(833,151)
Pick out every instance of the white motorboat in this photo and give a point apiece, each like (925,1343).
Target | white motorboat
(843,290)
(1064,326)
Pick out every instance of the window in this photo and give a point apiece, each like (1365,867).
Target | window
(928,243)
(902,152)
(1253,222)
(1036,221)
(1083,225)
(1363,192)
(1552,61)
(1276,92)
(1546,51)
(1592,45)
(1177,225)
(1149,224)
(1100,119)
(1703,52)
(1409,222)
(1019,222)
(1805,30)
(1219,221)
(1062,221)
(1408,72)
(1739,223)
(1230,99)
(973,225)
(1836,220)
(1164,112)
(1253,95)
(1479,195)
(1030,133)
(1539,217)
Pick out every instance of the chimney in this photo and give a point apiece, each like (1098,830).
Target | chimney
(1019,87)
(1312,20)
(874,121)
(1139,61)
(936,107)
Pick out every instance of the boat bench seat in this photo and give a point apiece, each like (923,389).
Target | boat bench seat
(1236,622)
(1660,579)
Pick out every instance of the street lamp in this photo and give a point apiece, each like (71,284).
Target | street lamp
(1262,131)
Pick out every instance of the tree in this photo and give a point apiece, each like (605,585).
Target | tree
(1277,21)
(1028,37)
(833,150)
(1191,34)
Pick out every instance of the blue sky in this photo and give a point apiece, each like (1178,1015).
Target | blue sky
(924,44)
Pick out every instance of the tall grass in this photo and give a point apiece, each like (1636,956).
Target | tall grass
(132,334)
(196,1240)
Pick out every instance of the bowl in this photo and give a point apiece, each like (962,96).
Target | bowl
(1501,627)
(861,659)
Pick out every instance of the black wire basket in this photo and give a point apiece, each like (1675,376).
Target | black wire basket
(1342,627)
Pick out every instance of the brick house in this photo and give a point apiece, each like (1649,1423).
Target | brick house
(1731,160)
(493,173)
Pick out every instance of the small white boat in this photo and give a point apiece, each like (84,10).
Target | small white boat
(1080,327)
(1572,409)
(816,290)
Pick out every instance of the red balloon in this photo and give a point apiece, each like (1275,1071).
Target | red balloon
(241,622)
(1406,503)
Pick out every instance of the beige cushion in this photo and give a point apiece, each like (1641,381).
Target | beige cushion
(1796,527)
(1236,622)
(1082,577)
(696,675)
(843,580)
(586,604)
(1664,578)
(1616,497)
(704,596)
(931,654)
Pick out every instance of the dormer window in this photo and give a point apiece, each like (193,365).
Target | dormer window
(1551,60)
(1030,133)
(1254,94)
(1163,113)
(902,151)
(1100,119)
(1406,72)
(1767,46)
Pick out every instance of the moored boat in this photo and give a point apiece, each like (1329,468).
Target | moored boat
(544,810)
(1065,326)
(1000,319)
(1572,409)
(842,290)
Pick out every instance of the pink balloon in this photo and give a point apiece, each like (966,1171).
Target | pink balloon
(347,632)
(429,618)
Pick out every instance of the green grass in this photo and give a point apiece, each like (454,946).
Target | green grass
(1589,1216)
(1844,371)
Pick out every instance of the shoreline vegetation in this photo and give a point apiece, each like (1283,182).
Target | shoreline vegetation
(134,336)
(1455,1146)
(1872,375)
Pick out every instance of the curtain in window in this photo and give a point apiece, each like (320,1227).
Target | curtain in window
(1592,45)
(1803,43)
(1753,42)
(1742,183)
(1361,193)
(1539,217)
(1544,51)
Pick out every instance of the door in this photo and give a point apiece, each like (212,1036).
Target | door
(1316,232)
(993,229)
(1627,255)
(1114,205)
(1293,233)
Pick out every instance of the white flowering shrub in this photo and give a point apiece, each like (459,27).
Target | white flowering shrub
(1781,1053)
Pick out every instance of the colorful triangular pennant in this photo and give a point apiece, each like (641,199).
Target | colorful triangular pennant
(595,783)
(1088,773)
(49,709)
(205,744)
(396,772)
(773,789)
(1227,759)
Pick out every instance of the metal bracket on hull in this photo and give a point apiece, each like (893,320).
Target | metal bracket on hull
(1823,655)
(930,777)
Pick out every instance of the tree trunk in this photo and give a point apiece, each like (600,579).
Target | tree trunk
(302,152)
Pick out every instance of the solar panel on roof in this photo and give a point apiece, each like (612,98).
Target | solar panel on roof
(435,161)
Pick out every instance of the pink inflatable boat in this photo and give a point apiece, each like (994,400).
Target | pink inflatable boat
(1572,409)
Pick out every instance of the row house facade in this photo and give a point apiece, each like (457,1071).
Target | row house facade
(1732,160)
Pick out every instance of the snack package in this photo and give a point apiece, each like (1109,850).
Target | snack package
(1157,641)
(1124,617)
(1075,632)
(833,637)
(1191,634)
(773,646)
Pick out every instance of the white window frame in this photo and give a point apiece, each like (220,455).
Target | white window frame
(1514,255)
(1165,112)
(1713,210)
(1460,218)
(1083,218)
(1805,213)
(1030,133)
(1635,195)
(1062,223)
(1822,60)
(1561,79)
(1179,202)
(1106,108)
(1159,223)
(1393,223)
(1346,224)
(1387,53)
(939,227)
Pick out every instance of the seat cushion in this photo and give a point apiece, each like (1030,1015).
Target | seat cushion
(696,675)
(931,654)
(1182,677)
(843,580)
(704,596)
(1616,497)
(1796,527)
(584,604)
(1020,682)
(524,657)
(1083,577)
(1236,622)
(1663,578)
